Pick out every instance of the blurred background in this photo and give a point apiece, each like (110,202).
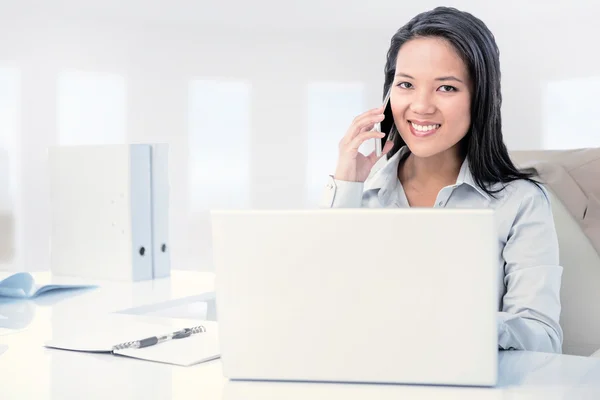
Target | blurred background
(252,97)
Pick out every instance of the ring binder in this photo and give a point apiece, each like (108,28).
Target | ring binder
(110,211)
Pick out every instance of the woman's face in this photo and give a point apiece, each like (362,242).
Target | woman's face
(431,96)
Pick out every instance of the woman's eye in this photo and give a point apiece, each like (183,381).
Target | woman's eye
(447,88)
(404,85)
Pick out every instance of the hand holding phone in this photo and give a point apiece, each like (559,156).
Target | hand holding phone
(352,165)
(377,124)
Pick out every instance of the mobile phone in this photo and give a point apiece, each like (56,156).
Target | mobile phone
(386,126)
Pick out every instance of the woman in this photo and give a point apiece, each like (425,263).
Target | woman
(443,74)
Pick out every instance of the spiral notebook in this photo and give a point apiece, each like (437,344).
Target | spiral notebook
(112,339)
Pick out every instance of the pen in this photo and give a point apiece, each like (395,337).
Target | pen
(151,341)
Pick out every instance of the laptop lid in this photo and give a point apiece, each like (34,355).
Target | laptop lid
(358,295)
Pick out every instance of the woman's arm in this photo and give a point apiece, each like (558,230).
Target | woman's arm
(529,319)
(342,194)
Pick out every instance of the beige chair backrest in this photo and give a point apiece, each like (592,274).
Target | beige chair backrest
(574,176)
(579,255)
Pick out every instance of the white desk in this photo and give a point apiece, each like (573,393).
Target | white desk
(28,370)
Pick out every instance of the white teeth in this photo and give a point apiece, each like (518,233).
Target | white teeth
(425,128)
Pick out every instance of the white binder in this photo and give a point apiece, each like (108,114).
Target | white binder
(104,213)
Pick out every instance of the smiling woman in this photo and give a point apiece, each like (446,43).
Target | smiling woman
(443,76)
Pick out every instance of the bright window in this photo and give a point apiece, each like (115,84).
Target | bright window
(219,144)
(570,108)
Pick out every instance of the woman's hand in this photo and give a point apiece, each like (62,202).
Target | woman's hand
(352,165)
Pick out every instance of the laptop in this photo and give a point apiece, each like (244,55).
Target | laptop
(404,296)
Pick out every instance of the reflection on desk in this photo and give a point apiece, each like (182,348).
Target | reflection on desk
(16,314)
(200,307)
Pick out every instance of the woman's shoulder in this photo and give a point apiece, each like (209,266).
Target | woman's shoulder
(523,189)
(523,201)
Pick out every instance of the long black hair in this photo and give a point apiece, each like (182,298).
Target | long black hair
(483,144)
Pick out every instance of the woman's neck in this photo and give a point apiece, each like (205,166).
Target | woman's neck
(437,171)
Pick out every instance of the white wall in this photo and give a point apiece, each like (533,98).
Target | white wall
(131,70)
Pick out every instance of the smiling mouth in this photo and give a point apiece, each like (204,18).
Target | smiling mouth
(422,130)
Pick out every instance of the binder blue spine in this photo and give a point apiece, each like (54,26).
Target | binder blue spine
(141,211)
(161,250)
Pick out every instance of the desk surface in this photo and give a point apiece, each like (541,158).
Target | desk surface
(28,370)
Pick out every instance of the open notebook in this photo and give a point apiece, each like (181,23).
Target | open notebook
(195,349)
(21,285)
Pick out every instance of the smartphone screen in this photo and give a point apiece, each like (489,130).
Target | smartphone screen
(386,126)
